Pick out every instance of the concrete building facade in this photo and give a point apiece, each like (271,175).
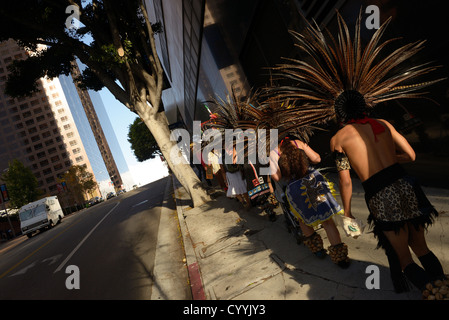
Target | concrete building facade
(39,130)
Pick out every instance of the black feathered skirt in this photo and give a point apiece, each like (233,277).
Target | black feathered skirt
(395,199)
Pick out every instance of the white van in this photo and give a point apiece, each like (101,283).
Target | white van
(40,214)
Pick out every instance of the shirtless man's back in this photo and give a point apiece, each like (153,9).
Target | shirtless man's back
(369,154)
(374,149)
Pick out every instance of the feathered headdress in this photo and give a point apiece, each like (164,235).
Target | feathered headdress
(256,112)
(341,78)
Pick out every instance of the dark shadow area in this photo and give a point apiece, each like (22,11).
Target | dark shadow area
(248,234)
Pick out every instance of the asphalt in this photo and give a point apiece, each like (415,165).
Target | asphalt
(234,254)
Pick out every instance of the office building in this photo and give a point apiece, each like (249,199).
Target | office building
(39,130)
(210,46)
(91,130)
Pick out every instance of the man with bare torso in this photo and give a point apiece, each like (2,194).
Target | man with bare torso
(399,210)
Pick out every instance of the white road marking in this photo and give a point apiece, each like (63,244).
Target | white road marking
(138,204)
(52,259)
(84,239)
(24,270)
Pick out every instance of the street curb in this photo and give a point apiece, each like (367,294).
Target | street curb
(9,244)
(194,272)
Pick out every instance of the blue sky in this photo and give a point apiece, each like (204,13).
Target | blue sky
(120,117)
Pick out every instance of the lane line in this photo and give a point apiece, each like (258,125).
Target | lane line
(32,253)
(84,239)
(138,204)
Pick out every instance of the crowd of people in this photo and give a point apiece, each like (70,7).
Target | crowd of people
(399,209)
(340,82)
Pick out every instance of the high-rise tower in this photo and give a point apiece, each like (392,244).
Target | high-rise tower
(38,130)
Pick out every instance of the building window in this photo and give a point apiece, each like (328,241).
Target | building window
(13,110)
(46,134)
(38,146)
(50,180)
(35,138)
(26,114)
(44,163)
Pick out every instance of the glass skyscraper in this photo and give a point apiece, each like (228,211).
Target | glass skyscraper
(102,147)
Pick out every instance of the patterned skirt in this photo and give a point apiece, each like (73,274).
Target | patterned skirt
(395,198)
(256,184)
(311,199)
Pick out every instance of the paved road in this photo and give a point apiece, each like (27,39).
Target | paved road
(107,251)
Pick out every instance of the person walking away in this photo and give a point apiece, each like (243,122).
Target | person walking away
(399,209)
(235,181)
(311,200)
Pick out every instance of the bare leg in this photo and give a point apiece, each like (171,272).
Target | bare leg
(417,241)
(306,230)
(247,201)
(427,258)
(332,232)
(399,242)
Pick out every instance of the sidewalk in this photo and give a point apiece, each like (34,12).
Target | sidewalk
(236,254)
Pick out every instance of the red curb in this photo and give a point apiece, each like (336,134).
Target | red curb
(195,282)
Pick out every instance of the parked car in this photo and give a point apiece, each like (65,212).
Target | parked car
(94,201)
(110,195)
